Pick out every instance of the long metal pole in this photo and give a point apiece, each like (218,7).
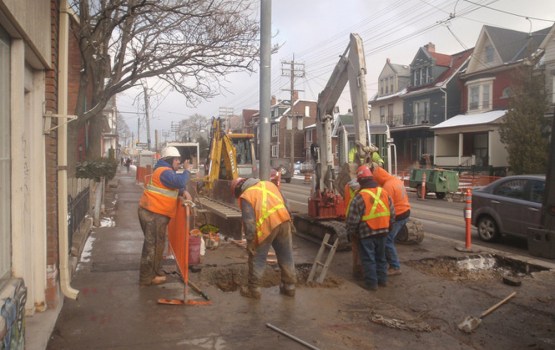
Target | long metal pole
(300,341)
(147,107)
(265,80)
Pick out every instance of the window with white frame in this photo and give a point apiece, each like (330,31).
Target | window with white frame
(275,149)
(421,110)
(479,95)
(309,136)
(275,130)
(382,114)
(5,160)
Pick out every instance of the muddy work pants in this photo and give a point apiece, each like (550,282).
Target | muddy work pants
(154,229)
(281,240)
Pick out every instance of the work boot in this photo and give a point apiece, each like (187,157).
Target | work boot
(155,281)
(250,292)
(287,289)
(393,271)
(370,287)
(158,280)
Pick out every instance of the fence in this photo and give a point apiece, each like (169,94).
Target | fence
(77,209)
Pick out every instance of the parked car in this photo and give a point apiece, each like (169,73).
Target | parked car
(285,173)
(297,168)
(508,206)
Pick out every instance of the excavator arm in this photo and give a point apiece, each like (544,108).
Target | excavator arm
(222,159)
(350,68)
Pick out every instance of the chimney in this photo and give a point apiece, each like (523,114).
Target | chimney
(295,95)
(388,61)
(430,47)
(273,101)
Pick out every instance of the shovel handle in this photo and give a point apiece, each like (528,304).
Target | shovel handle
(494,307)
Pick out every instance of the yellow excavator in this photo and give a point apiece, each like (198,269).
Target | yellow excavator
(222,156)
(230,155)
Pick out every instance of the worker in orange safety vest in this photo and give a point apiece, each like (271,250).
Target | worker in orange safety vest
(396,189)
(157,205)
(266,223)
(370,215)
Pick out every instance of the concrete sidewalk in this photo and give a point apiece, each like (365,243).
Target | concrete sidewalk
(419,309)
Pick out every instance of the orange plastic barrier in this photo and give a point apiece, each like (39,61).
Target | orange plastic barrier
(178,237)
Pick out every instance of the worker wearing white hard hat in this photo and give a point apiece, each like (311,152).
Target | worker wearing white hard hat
(157,206)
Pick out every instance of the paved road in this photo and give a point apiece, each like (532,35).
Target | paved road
(440,217)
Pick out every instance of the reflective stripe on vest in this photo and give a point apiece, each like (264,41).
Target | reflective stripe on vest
(377,201)
(269,203)
(168,193)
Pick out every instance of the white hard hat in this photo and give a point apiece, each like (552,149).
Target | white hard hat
(170,152)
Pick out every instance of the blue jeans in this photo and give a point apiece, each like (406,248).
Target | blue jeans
(372,257)
(282,241)
(390,250)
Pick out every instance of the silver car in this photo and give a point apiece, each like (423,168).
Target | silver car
(508,206)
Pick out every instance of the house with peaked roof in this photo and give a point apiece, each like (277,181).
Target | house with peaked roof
(547,63)
(433,96)
(471,139)
(387,104)
(287,121)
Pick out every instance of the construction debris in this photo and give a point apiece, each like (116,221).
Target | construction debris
(413,326)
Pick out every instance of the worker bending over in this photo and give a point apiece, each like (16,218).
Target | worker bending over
(266,222)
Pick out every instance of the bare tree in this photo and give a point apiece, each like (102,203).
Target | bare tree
(189,44)
(194,127)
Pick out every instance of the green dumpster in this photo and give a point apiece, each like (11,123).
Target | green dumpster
(440,181)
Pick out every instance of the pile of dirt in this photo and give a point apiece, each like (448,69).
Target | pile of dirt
(450,268)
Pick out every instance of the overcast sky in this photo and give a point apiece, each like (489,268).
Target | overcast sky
(316,32)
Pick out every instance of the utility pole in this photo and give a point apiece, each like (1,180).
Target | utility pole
(175,130)
(295,70)
(138,130)
(264,150)
(226,113)
(147,119)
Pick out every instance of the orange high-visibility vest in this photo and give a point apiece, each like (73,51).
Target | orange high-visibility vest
(395,188)
(376,213)
(158,198)
(268,206)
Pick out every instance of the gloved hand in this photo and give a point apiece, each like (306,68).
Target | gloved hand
(251,246)
(293,228)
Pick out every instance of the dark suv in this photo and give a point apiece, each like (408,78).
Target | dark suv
(508,206)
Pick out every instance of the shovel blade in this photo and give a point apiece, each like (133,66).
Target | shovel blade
(469,324)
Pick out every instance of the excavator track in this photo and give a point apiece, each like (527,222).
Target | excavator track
(315,229)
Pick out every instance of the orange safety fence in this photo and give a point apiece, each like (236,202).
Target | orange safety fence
(178,237)
(143,172)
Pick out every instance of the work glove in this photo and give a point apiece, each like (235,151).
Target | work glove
(293,228)
(251,246)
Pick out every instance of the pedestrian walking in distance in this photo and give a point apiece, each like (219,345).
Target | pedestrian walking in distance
(157,205)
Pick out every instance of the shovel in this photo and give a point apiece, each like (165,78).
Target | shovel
(470,323)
